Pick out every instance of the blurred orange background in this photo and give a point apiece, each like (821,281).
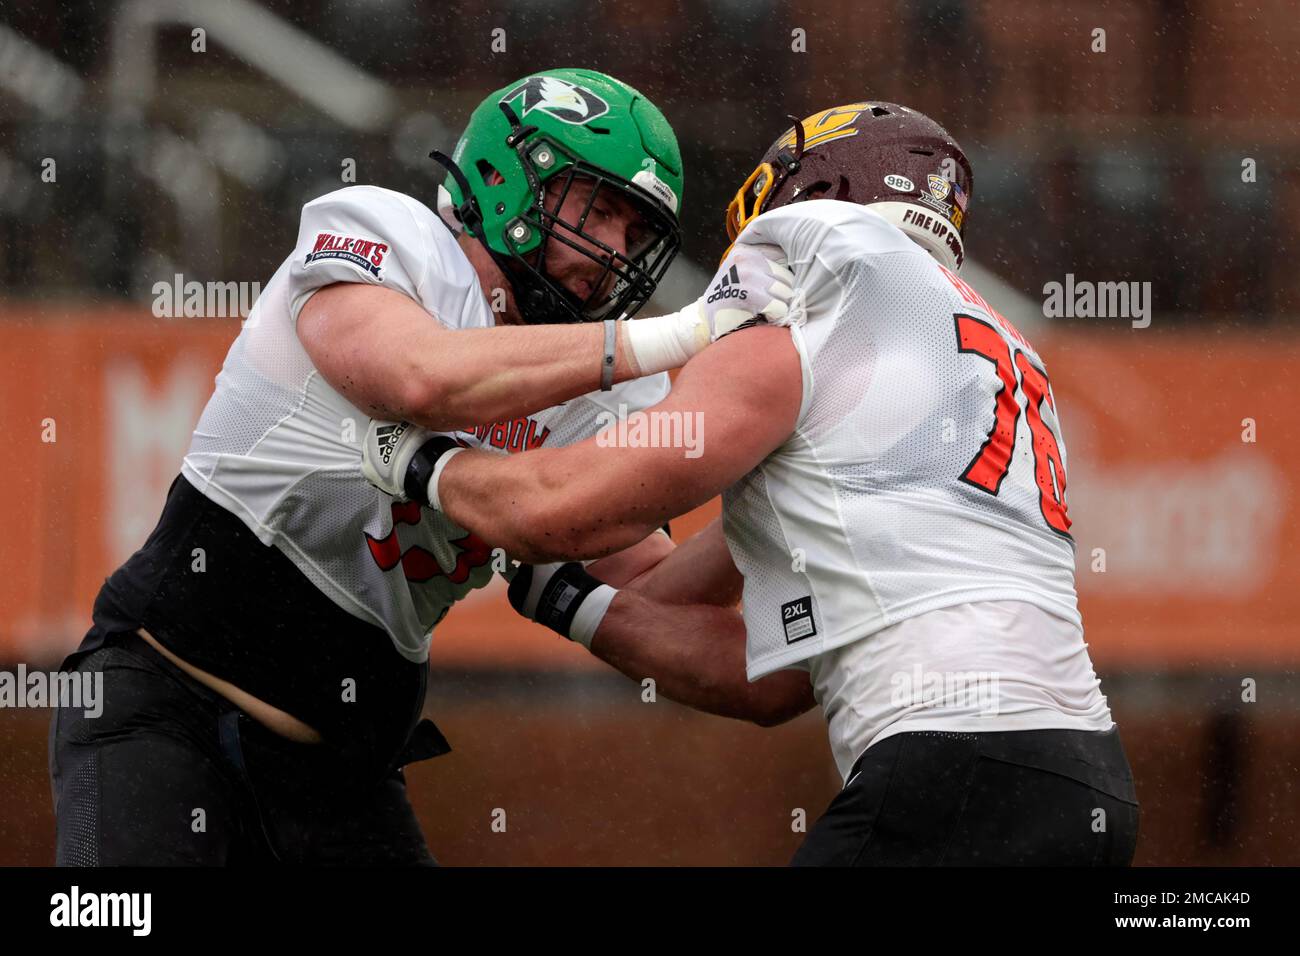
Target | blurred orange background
(1200,591)
(1183,529)
(1126,163)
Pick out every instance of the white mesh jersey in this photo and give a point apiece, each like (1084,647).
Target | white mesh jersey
(926,468)
(280,448)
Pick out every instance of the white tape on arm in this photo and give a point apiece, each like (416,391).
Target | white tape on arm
(666,341)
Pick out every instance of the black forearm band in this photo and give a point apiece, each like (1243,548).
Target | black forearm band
(560,599)
(416,481)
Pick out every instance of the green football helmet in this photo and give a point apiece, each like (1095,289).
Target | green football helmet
(569,124)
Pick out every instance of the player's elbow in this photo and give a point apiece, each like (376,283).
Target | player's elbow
(780,698)
(548,531)
(436,389)
(432,399)
(772,717)
(543,525)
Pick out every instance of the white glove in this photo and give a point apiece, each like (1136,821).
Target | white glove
(752,284)
(386,452)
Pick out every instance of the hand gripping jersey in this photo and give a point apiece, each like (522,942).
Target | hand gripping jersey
(281,449)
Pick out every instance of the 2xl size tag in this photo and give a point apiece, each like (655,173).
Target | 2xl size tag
(797,618)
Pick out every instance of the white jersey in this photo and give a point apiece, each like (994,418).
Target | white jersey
(279,447)
(987,666)
(926,469)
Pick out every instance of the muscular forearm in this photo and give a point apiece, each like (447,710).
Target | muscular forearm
(382,351)
(601,494)
(486,375)
(544,506)
(696,656)
(699,571)
(623,568)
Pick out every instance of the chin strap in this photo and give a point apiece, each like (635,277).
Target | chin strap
(792,161)
(471,217)
(538,303)
(789,163)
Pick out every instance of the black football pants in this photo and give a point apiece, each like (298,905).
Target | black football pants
(1016,798)
(172,774)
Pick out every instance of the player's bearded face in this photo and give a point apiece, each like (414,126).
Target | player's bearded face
(610,219)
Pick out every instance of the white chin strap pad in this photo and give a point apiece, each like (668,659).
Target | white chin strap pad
(927,228)
(447,209)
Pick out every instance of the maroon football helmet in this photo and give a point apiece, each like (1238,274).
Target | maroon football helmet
(899,162)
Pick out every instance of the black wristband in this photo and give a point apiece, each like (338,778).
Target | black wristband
(416,481)
(560,599)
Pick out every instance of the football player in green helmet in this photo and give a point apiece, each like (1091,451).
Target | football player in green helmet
(565,193)
(545,168)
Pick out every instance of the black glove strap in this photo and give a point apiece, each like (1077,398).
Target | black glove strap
(420,470)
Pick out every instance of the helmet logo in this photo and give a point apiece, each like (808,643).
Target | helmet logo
(939,186)
(559,98)
(834,123)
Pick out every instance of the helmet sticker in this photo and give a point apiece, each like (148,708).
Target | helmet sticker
(945,235)
(939,189)
(656,187)
(559,98)
(900,183)
(826,126)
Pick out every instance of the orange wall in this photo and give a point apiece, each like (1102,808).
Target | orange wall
(1195,525)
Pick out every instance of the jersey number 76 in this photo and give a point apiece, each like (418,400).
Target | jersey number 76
(990,465)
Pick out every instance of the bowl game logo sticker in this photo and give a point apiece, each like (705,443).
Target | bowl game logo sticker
(566,101)
(939,190)
(367,254)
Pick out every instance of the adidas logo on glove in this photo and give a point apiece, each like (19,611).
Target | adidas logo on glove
(386,438)
(726,288)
